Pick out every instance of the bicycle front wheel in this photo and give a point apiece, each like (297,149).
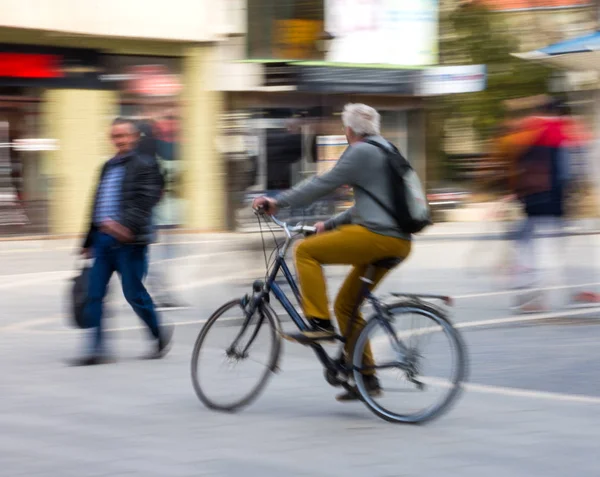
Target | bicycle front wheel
(234,356)
(419,359)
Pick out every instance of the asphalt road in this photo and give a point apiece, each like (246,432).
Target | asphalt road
(531,407)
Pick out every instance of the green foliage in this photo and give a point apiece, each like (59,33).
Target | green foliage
(472,34)
(479,36)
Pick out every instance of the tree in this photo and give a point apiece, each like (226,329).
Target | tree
(472,34)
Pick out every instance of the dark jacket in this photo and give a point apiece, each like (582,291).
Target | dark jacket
(540,180)
(140,192)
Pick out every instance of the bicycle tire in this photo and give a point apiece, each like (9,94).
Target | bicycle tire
(273,323)
(435,314)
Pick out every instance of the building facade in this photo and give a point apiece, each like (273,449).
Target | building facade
(244,96)
(66,70)
(288,79)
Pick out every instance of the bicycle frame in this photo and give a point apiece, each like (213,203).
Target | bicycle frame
(262,292)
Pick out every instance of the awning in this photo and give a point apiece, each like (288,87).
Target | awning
(374,79)
(579,54)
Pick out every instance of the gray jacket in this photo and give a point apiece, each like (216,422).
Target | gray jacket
(361,165)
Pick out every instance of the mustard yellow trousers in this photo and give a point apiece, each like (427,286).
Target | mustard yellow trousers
(348,245)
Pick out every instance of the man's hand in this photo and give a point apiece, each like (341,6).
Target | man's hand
(116,230)
(86,253)
(267,204)
(320,226)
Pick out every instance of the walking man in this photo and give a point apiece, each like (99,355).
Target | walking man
(119,234)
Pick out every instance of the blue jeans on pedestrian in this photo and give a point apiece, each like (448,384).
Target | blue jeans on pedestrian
(131,263)
(528,237)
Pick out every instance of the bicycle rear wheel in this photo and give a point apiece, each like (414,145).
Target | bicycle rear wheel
(419,359)
(232,363)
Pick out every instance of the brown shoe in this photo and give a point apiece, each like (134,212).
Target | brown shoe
(371,384)
(321,330)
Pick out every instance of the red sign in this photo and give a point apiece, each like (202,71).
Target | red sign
(26,65)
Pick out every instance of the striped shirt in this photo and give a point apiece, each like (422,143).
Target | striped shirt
(108,202)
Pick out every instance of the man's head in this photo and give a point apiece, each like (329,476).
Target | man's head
(124,134)
(360,121)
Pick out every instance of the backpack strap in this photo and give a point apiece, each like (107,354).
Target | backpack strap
(389,211)
(382,147)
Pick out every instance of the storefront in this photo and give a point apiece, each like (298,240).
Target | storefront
(56,105)
(26,74)
(149,89)
(292,135)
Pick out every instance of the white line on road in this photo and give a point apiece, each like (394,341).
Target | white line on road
(526,393)
(472,387)
(26,279)
(25,325)
(525,319)
(511,292)
(467,324)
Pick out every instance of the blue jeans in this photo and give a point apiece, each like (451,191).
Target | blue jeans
(131,263)
(533,231)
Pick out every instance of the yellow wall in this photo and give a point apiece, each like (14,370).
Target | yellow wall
(204,172)
(79,120)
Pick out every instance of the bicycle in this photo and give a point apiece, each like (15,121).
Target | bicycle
(405,361)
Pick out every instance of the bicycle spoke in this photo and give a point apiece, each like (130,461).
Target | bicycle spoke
(432,355)
(245,356)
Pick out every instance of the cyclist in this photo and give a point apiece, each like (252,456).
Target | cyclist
(359,236)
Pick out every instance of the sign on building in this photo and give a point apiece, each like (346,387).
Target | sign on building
(397,32)
(453,80)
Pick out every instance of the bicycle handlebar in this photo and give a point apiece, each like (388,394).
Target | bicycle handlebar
(289,230)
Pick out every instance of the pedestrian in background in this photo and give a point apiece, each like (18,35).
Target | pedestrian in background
(157,141)
(120,230)
(540,175)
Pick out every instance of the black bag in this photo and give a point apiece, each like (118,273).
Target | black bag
(411,210)
(79,294)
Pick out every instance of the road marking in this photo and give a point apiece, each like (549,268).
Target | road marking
(525,319)
(193,257)
(25,279)
(515,392)
(32,278)
(510,292)
(526,393)
(466,324)
(222,279)
(25,325)
(471,387)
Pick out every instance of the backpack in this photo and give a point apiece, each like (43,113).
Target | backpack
(410,210)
